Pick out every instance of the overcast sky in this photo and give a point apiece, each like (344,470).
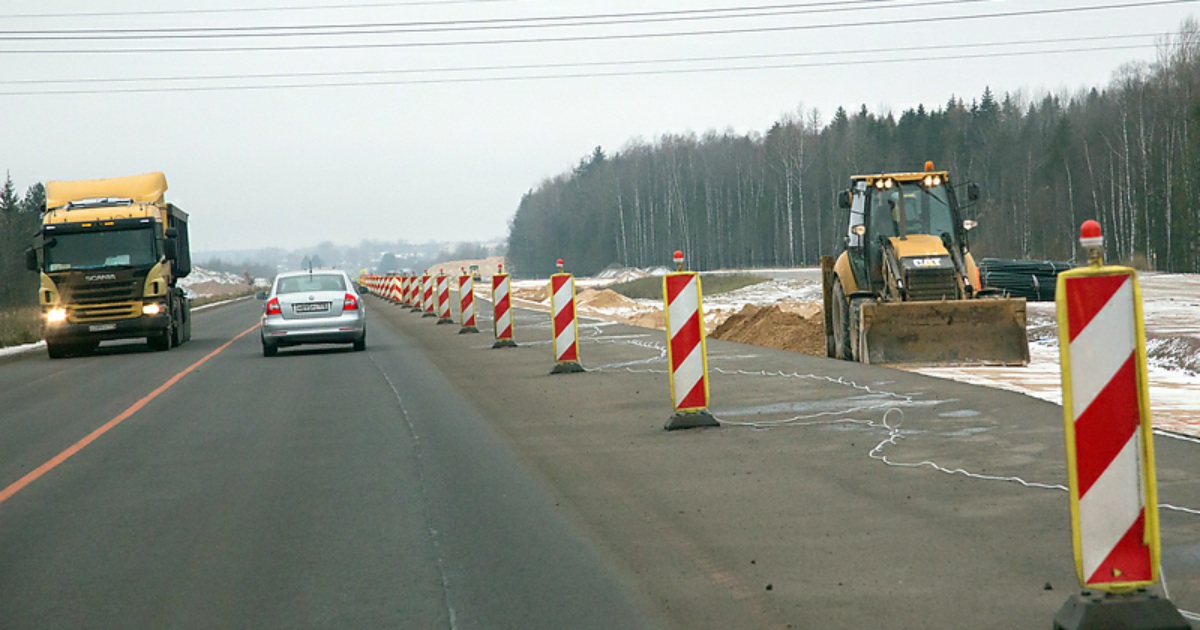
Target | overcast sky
(437,153)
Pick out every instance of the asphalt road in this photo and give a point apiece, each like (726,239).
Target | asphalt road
(432,482)
(322,488)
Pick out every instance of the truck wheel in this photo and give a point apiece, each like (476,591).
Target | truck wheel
(855,352)
(841,324)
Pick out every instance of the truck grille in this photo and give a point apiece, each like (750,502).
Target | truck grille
(124,310)
(931,284)
(105,292)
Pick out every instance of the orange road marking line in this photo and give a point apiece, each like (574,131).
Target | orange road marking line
(53,462)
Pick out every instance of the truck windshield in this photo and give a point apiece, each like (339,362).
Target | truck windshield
(99,249)
(926,211)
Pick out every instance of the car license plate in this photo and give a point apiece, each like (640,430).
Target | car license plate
(313,307)
(101,327)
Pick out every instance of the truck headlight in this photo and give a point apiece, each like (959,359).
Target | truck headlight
(152,309)
(56,316)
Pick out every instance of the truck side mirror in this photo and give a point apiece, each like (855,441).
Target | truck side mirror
(972,192)
(171,233)
(843,199)
(31,259)
(170,249)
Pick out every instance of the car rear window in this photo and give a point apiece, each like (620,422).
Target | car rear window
(313,282)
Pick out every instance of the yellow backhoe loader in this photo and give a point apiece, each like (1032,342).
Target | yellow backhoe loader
(906,290)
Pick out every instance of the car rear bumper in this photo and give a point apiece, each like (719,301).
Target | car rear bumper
(288,332)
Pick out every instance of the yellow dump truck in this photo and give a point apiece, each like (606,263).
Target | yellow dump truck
(110,253)
(905,289)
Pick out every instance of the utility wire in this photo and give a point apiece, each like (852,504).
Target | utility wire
(581,64)
(581,75)
(616,37)
(315,7)
(433,26)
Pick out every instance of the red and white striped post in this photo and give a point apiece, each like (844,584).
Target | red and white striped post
(404,289)
(427,295)
(502,321)
(394,289)
(443,298)
(1110,442)
(687,353)
(566,331)
(414,293)
(466,303)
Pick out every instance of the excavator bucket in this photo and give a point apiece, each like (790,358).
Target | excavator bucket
(985,331)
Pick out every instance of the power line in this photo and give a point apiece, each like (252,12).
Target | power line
(615,37)
(433,26)
(580,64)
(317,7)
(560,76)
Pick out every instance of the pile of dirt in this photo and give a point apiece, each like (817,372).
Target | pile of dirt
(793,327)
(539,293)
(604,299)
(222,289)
(487,266)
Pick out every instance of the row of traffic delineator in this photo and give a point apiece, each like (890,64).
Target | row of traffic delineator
(1109,436)
(682,296)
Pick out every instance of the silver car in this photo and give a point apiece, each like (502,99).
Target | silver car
(315,306)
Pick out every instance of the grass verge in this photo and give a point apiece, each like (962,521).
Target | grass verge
(19,325)
(651,288)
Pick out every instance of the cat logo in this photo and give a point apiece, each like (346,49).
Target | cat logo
(926,262)
(97,277)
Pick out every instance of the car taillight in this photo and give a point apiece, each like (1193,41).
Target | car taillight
(350,304)
(273,307)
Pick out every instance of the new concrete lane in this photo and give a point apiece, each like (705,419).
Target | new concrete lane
(321,488)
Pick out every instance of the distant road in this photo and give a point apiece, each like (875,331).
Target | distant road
(432,482)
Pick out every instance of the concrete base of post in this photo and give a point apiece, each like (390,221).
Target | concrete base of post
(467,329)
(567,367)
(428,314)
(504,343)
(444,320)
(1140,610)
(415,309)
(691,420)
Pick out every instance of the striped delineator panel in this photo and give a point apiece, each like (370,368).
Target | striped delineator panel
(427,293)
(1109,441)
(501,307)
(686,351)
(562,307)
(443,296)
(394,288)
(405,287)
(466,301)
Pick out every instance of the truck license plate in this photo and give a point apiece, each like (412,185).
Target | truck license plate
(101,327)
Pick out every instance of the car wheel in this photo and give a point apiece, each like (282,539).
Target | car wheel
(269,349)
(360,344)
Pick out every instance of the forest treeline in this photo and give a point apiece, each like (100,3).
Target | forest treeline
(19,220)
(1127,155)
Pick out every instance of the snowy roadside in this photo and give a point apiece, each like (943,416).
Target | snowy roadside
(1171,305)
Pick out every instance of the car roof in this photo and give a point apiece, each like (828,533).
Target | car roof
(305,272)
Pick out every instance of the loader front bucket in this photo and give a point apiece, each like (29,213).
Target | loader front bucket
(985,331)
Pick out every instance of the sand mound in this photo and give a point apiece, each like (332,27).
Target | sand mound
(603,298)
(783,327)
(540,293)
(487,266)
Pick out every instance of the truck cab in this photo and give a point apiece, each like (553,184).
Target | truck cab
(110,254)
